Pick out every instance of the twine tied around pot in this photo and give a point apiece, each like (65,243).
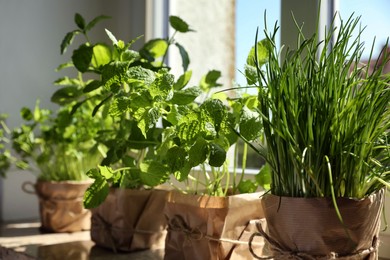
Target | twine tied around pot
(178,224)
(281,253)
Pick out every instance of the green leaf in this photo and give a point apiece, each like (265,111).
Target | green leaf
(106,172)
(217,155)
(82,57)
(139,74)
(96,193)
(214,111)
(97,19)
(250,124)
(101,55)
(209,81)
(184,56)
(68,39)
(112,37)
(198,152)
(190,130)
(186,96)
(26,114)
(183,173)
(156,47)
(66,95)
(250,74)
(114,73)
(176,158)
(91,86)
(179,24)
(147,119)
(263,178)
(153,173)
(183,80)
(263,49)
(247,186)
(79,20)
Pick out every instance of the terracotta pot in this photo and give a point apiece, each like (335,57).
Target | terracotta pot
(61,205)
(309,228)
(130,220)
(208,227)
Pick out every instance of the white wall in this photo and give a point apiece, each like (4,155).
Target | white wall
(212,46)
(30,36)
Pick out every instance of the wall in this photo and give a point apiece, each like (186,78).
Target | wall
(31,33)
(212,45)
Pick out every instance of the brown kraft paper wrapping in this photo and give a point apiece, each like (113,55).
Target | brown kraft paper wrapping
(130,220)
(308,228)
(61,205)
(212,228)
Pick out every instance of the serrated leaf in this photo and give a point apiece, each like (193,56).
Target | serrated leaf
(186,96)
(183,80)
(250,124)
(139,74)
(153,173)
(250,74)
(66,95)
(217,155)
(101,55)
(97,19)
(179,24)
(147,119)
(119,106)
(214,111)
(68,39)
(79,20)
(130,55)
(96,193)
(114,73)
(189,131)
(82,57)
(185,59)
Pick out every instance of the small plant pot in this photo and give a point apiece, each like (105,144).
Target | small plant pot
(208,227)
(61,205)
(309,228)
(130,220)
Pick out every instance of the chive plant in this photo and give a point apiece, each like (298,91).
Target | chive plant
(325,115)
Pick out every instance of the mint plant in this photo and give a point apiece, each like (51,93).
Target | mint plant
(136,91)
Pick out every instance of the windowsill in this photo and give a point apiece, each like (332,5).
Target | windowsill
(28,242)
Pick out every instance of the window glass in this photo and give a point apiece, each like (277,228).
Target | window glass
(374,16)
(249,16)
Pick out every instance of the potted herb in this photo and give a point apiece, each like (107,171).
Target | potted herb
(136,90)
(202,220)
(60,146)
(326,121)
(139,92)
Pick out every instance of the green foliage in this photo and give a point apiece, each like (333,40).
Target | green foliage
(326,116)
